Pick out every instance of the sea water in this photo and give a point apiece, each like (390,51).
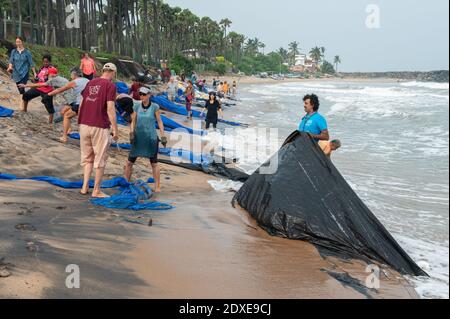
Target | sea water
(395,155)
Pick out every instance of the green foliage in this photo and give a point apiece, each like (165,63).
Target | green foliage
(181,64)
(327,68)
(271,62)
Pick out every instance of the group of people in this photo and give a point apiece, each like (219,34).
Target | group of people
(223,88)
(93,99)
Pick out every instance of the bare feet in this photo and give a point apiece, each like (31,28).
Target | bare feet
(157,190)
(63,139)
(100,195)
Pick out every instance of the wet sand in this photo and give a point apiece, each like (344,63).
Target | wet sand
(203,248)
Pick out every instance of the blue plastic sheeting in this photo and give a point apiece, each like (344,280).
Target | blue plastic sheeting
(178,109)
(186,155)
(5,112)
(115,182)
(169,125)
(132,197)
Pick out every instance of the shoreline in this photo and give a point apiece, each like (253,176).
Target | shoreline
(251,80)
(204,248)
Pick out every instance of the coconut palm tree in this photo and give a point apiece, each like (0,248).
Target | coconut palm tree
(337,61)
(294,50)
(316,54)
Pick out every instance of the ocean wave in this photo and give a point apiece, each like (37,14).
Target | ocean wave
(434,259)
(427,85)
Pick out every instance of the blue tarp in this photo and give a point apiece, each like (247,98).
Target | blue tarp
(115,182)
(186,155)
(132,197)
(169,125)
(5,112)
(178,109)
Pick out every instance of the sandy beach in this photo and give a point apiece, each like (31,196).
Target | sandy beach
(204,248)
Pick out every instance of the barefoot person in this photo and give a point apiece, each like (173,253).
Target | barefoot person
(97,121)
(76,86)
(20,64)
(143,136)
(213,109)
(329,147)
(42,91)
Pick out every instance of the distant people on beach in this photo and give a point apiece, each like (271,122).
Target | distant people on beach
(97,122)
(20,64)
(124,102)
(88,67)
(40,91)
(171,89)
(135,86)
(75,87)
(213,109)
(329,147)
(313,122)
(167,74)
(234,90)
(143,136)
(225,88)
(189,94)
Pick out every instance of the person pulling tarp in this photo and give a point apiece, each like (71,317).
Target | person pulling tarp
(308,199)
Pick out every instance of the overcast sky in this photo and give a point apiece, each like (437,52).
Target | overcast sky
(413,34)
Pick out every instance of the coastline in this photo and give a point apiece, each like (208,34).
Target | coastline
(203,248)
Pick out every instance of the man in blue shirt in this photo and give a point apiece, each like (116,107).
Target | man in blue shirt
(314,123)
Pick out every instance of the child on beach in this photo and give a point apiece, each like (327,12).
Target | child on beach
(41,91)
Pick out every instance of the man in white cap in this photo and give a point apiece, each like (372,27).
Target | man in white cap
(97,122)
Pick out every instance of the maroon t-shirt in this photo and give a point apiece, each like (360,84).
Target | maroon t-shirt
(94,110)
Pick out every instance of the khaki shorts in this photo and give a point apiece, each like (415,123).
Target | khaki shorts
(94,144)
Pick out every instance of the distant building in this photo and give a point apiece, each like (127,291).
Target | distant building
(191,53)
(303,63)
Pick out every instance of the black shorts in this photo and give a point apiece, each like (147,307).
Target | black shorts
(74,107)
(23,81)
(211,121)
(153,160)
(89,77)
(46,100)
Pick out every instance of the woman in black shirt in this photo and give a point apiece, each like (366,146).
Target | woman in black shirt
(213,109)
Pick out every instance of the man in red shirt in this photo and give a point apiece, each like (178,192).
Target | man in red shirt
(97,122)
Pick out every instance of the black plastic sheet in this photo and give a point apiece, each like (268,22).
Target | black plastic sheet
(308,199)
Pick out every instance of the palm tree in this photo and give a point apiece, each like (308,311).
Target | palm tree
(225,23)
(316,54)
(322,50)
(294,50)
(337,61)
(284,54)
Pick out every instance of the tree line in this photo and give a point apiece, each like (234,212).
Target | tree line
(146,30)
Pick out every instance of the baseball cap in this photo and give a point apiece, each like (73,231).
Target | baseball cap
(52,71)
(110,67)
(145,90)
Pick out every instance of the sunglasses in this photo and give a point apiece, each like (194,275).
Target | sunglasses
(143,94)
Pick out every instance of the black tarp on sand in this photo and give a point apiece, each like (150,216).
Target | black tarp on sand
(308,199)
